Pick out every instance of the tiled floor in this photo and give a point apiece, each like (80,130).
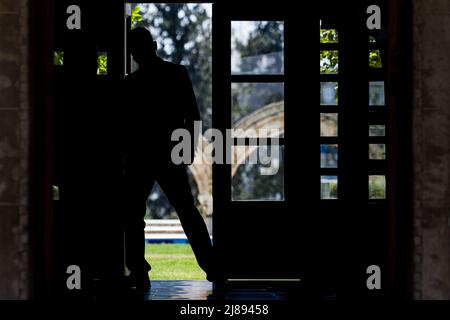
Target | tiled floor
(179,290)
(203,290)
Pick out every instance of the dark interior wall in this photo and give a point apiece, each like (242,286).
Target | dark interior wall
(431,148)
(14,142)
(102,26)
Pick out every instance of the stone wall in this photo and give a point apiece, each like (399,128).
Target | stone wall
(14,110)
(431,147)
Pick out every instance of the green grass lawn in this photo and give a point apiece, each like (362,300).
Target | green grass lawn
(173,262)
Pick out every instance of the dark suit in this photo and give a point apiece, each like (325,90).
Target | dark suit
(159,99)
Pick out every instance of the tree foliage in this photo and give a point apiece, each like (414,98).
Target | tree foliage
(375,59)
(58,58)
(102,64)
(377,188)
(329,62)
(328,36)
(265,39)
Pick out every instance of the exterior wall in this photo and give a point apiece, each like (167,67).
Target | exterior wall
(14,110)
(431,148)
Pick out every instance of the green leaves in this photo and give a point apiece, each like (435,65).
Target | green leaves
(136,15)
(58,58)
(328,36)
(377,187)
(329,61)
(333,190)
(102,62)
(375,59)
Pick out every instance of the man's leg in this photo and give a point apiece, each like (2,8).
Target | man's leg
(175,183)
(136,191)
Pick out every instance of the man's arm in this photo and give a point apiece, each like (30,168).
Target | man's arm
(192,112)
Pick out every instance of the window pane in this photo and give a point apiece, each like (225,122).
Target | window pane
(376,93)
(55,191)
(257,106)
(58,58)
(328,155)
(328,187)
(102,63)
(257,173)
(329,36)
(328,93)
(376,130)
(257,47)
(377,187)
(375,59)
(377,151)
(329,61)
(328,124)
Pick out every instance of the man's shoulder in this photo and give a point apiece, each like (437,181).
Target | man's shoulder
(173,66)
(161,67)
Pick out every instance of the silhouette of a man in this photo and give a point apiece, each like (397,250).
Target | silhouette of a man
(160,99)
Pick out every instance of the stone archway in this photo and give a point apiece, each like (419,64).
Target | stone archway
(270,116)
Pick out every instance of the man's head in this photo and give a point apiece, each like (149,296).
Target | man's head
(141,45)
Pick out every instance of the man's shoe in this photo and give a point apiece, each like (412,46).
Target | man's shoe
(215,278)
(140,281)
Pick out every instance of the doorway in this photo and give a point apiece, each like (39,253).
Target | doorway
(183,32)
(298,224)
